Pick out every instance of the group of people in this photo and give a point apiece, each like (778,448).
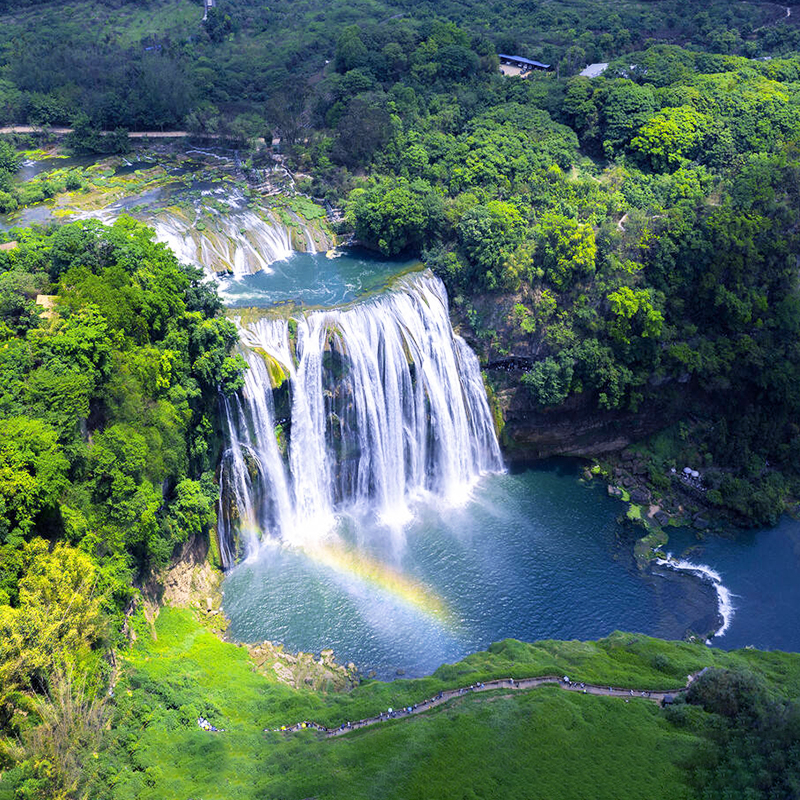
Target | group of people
(392,713)
(205,725)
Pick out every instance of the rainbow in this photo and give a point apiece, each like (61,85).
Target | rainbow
(341,559)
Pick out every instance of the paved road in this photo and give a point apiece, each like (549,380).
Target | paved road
(503,683)
(132,134)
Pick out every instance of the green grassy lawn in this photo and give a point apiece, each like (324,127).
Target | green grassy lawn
(540,744)
(544,744)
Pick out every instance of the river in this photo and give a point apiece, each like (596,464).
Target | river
(533,554)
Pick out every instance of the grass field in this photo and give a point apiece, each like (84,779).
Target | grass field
(539,744)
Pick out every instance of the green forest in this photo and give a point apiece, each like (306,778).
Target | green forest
(158,64)
(107,452)
(623,245)
(631,238)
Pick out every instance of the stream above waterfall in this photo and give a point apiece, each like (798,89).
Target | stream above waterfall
(314,279)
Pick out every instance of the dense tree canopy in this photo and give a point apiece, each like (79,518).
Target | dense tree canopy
(608,243)
(105,442)
(635,232)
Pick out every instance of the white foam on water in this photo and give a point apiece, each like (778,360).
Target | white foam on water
(724,595)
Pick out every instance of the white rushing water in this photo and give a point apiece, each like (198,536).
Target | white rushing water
(238,244)
(724,596)
(217,232)
(381,405)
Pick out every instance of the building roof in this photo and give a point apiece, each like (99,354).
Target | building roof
(521,60)
(593,70)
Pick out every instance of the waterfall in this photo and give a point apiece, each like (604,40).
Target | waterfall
(239,243)
(220,232)
(358,410)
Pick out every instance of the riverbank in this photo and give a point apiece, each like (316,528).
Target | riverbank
(488,575)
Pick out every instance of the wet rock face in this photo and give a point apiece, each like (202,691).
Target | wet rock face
(576,428)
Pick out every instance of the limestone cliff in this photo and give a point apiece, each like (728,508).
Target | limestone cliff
(575,428)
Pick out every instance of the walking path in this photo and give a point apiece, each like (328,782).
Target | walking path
(131,134)
(783,18)
(502,683)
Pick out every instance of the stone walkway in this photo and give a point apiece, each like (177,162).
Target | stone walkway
(503,683)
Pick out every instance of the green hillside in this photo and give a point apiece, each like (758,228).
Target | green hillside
(543,743)
(620,249)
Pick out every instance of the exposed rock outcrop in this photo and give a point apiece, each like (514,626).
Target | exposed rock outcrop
(303,669)
(191,581)
(575,428)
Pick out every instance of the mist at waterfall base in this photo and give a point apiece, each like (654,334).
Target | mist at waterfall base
(533,555)
(403,588)
(364,408)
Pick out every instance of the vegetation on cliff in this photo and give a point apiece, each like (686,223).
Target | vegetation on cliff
(627,239)
(107,448)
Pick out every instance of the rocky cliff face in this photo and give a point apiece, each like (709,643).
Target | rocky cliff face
(575,428)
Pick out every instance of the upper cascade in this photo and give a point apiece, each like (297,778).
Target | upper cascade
(235,244)
(222,231)
(358,410)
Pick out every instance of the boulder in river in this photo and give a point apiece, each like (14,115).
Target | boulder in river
(639,496)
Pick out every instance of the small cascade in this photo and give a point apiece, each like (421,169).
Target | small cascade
(359,410)
(706,573)
(221,233)
(239,478)
(237,243)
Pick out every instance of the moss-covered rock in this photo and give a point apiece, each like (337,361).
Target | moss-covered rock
(277,372)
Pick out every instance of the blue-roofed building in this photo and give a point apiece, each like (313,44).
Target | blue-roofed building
(518,65)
